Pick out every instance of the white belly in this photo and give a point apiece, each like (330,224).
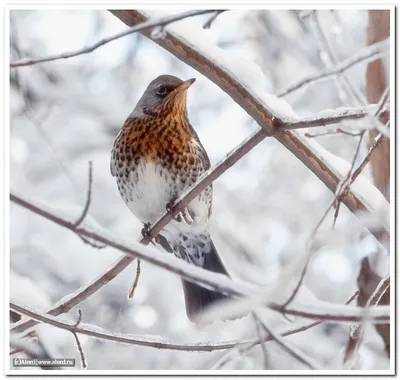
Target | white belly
(153,189)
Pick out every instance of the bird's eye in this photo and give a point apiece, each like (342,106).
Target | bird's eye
(161,90)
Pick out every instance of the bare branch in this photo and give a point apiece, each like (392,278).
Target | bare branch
(347,85)
(367,158)
(336,200)
(144,26)
(136,282)
(333,132)
(78,343)
(357,333)
(292,351)
(369,53)
(250,345)
(88,198)
(259,327)
(91,243)
(207,24)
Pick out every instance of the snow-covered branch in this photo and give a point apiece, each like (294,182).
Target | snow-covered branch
(329,117)
(147,341)
(210,280)
(188,44)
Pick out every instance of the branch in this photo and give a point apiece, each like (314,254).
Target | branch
(88,198)
(138,28)
(208,61)
(369,53)
(136,282)
(207,24)
(292,351)
(358,332)
(77,341)
(208,279)
(245,348)
(138,340)
(325,117)
(122,263)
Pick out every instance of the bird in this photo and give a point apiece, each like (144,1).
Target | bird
(155,157)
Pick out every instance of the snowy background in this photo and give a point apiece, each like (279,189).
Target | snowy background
(67,112)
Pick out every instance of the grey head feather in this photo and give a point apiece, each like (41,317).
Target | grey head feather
(150,98)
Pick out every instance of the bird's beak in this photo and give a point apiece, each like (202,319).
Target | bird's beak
(185,85)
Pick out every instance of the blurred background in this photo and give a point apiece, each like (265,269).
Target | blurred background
(68,112)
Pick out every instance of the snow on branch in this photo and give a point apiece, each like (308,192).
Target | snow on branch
(147,341)
(244,81)
(320,310)
(328,117)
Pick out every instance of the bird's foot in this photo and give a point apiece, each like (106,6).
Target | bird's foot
(146,232)
(184,215)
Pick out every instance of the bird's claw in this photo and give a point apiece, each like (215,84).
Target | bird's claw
(146,232)
(184,215)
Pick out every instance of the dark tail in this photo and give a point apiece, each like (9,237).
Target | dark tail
(197,298)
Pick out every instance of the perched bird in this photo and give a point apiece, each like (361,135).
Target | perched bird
(155,157)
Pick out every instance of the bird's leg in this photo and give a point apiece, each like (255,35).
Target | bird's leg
(146,232)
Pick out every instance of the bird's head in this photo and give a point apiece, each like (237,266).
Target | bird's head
(164,95)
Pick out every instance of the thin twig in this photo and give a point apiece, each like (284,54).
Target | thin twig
(78,343)
(348,86)
(136,282)
(333,132)
(245,348)
(88,197)
(208,23)
(292,351)
(306,13)
(328,118)
(162,21)
(91,243)
(367,158)
(357,332)
(259,328)
(372,52)
(334,201)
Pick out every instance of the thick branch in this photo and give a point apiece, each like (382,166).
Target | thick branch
(237,90)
